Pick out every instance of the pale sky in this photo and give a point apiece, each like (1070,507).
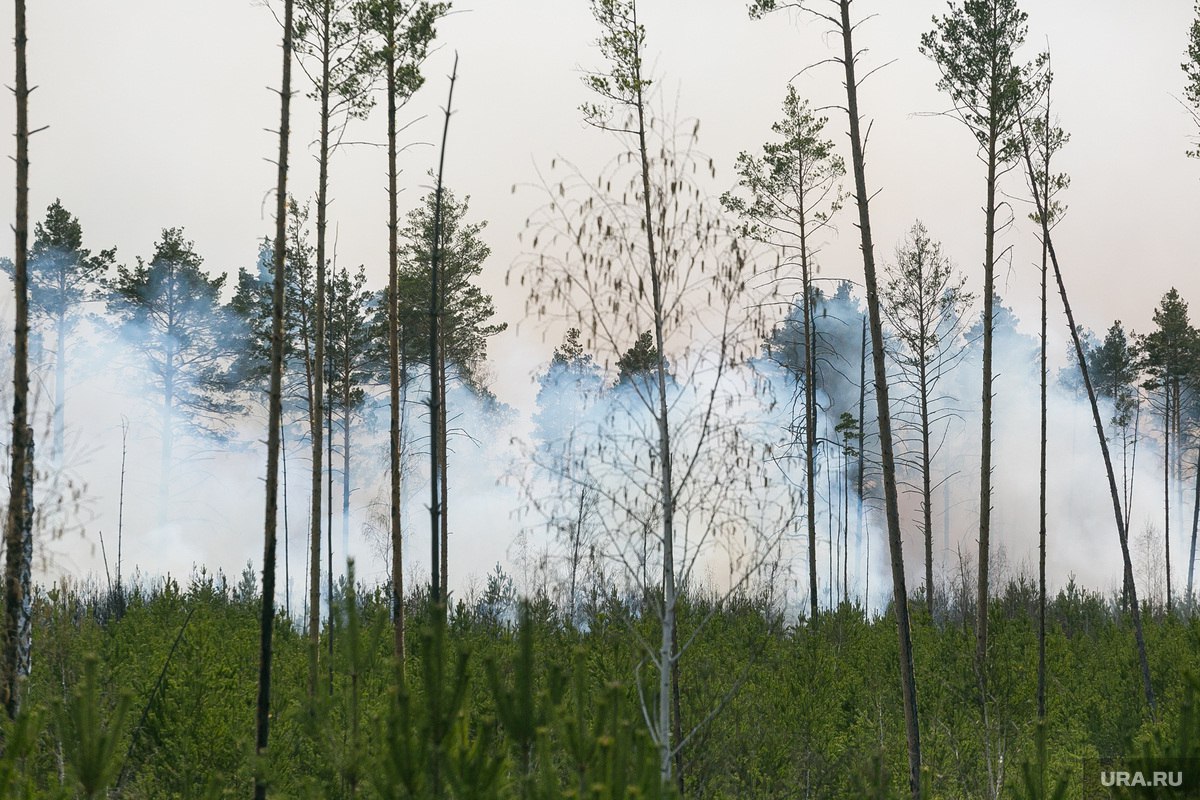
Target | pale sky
(159,110)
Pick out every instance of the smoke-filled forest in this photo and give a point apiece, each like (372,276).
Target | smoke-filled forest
(601,399)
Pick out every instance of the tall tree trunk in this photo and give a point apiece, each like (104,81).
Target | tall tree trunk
(394,353)
(862,448)
(443,443)
(1195,529)
(1167,485)
(1114,491)
(346,472)
(985,442)
(317,416)
(437,378)
(1042,376)
(667,655)
(883,410)
(810,404)
(275,416)
(25,624)
(926,482)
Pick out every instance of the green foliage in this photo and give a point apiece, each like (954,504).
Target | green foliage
(621,44)
(1191,71)
(975,48)
(91,738)
(534,708)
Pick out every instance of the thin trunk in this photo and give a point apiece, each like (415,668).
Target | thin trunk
(275,414)
(287,558)
(443,442)
(1041,677)
(926,481)
(1167,419)
(985,443)
(346,473)
(862,446)
(318,366)
(1195,528)
(25,623)
(1122,533)
(329,516)
(883,410)
(810,407)
(437,414)
(394,355)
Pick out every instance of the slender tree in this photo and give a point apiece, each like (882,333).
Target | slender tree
(404,30)
(1046,140)
(788,197)
(1169,354)
(975,49)
(327,42)
(925,302)
(21,441)
(837,14)
(1038,191)
(275,415)
(351,358)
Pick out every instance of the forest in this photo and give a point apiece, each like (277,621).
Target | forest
(781,508)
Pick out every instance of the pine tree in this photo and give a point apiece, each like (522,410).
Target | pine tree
(794,189)
(975,48)
(925,301)
(63,275)
(169,311)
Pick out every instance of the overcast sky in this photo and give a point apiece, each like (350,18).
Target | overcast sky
(159,115)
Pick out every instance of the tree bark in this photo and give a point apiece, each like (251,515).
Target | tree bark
(394,353)
(317,415)
(275,415)
(21,443)
(891,499)
(437,379)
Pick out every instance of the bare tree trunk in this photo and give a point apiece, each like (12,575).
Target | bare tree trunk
(394,354)
(1122,533)
(275,415)
(443,442)
(891,499)
(810,415)
(926,483)
(985,443)
(21,441)
(25,624)
(1041,678)
(862,446)
(1167,419)
(317,416)
(437,400)
(1195,528)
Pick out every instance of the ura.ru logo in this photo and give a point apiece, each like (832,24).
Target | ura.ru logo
(1141,778)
